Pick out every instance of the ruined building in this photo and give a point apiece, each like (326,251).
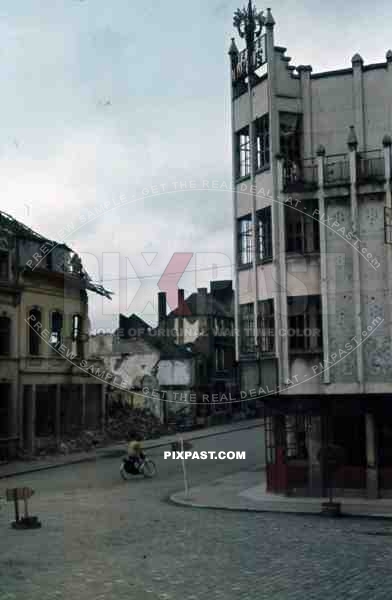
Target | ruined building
(47,389)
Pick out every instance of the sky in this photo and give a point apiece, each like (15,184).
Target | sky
(103,101)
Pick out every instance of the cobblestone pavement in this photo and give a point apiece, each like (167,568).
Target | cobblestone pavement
(104,539)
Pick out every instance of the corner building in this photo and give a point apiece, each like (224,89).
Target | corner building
(312,236)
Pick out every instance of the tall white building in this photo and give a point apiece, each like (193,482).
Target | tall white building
(312,206)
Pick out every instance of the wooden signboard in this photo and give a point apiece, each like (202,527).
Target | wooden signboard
(22,493)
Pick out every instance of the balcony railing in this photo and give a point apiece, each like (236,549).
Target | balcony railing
(301,175)
(336,169)
(371,166)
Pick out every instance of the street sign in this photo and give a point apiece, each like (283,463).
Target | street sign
(22,493)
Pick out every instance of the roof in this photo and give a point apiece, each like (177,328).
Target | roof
(198,305)
(21,231)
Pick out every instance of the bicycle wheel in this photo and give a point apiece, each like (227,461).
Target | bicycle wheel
(148,468)
(126,476)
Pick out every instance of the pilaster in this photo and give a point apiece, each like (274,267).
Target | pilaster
(306,93)
(358,101)
(323,261)
(352,145)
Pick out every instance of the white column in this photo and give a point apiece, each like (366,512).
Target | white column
(358,100)
(323,260)
(278,227)
(233,53)
(352,143)
(387,143)
(306,93)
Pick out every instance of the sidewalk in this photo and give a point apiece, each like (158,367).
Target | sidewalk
(15,468)
(245,491)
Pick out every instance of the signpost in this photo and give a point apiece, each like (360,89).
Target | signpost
(26,522)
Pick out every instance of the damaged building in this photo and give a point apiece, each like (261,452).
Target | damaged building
(46,388)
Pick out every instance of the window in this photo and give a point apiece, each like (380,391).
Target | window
(266,326)
(290,140)
(302,228)
(34,338)
(4,259)
(262,157)
(243,153)
(247,328)
(77,333)
(305,323)
(264,233)
(245,243)
(57,326)
(5,336)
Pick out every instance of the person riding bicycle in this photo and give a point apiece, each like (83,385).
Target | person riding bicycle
(135,454)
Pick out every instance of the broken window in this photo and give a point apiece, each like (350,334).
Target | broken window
(264,220)
(262,157)
(243,153)
(290,145)
(77,334)
(245,243)
(305,323)
(247,328)
(56,329)
(5,336)
(35,317)
(266,326)
(302,228)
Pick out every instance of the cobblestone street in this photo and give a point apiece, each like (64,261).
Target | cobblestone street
(103,539)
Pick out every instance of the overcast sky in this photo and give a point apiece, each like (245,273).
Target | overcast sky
(102,99)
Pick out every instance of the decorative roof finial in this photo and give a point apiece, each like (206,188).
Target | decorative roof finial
(387,141)
(233,50)
(269,20)
(357,60)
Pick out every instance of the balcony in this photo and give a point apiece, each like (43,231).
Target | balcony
(336,170)
(300,176)
(370,167)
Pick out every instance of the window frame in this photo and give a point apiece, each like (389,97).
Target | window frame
(262,143)
(33,333)
(304,236)
(264,234)
(57,344)
(309,318)
(247,337)
(266,326)
(243,153)
(245,250)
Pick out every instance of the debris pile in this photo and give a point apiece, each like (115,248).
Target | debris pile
(126,423)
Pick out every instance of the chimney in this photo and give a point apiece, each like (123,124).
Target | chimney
(161,308)
(181,303)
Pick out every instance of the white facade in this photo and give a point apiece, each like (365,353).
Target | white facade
(343,167)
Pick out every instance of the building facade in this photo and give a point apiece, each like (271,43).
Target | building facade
(44,395)
(312,237)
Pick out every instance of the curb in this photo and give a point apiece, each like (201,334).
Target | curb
(173,499)
(117,451)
